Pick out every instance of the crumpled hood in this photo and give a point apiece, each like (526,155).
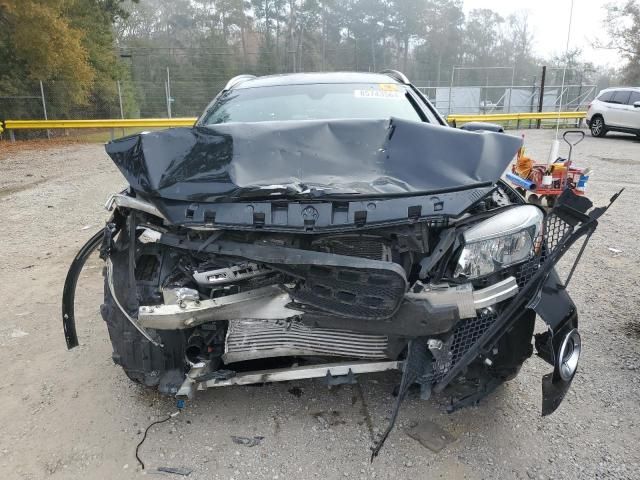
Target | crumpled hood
(313,157)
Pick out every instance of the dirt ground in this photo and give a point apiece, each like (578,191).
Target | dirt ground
(75,415)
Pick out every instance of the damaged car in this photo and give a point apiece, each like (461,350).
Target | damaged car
(330,225)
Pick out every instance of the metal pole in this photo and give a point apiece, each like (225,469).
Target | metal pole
(541,99)
(513,79)
(168,92)
(579,120)
(300,43)
(44,108)
(533,95)
(355,51)
(453,73)
(120,99)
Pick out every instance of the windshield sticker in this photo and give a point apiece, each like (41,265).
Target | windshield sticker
(377,94)
(389,87)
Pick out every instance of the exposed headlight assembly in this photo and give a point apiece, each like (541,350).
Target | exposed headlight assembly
(503,240)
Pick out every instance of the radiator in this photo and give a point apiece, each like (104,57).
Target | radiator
(253,339)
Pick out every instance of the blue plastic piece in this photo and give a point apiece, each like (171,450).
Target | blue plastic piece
(180,404)
(521,182)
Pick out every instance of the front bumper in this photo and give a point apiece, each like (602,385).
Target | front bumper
(541,291)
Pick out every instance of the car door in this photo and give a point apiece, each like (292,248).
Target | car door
(617,108)
(632,114)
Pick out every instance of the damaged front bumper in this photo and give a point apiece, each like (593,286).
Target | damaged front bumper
(477,327)
(542,291)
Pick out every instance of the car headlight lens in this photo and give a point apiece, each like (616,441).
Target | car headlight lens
(506,239)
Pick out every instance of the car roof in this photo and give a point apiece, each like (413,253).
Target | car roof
(611,89)
(314,78)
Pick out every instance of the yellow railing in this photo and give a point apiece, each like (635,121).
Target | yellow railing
(111,123)
(507,117)
(454,119)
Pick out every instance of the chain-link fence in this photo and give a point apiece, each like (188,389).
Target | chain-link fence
(152,92)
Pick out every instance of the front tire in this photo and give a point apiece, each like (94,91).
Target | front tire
(597,126)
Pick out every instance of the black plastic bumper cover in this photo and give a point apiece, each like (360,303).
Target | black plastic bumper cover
(70,283)
(558,311)
(545,294)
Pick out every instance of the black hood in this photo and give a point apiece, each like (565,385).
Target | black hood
(315,158)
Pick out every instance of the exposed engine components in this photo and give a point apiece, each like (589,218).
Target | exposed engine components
(234,273)
(267,303)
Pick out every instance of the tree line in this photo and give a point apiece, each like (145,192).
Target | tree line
(82,48)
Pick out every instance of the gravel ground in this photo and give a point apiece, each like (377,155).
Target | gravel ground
(74,415)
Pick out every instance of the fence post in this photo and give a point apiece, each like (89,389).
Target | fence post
(121,109)
(513,79)
(167,91)
(533,95)
(541,99)
(44,108)
(453,73)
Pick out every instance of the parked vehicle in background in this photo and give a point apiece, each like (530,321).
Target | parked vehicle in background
(615,110)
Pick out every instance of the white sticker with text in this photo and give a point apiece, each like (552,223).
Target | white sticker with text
(371,93)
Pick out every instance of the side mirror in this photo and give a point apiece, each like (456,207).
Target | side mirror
(482,126)
(636,104)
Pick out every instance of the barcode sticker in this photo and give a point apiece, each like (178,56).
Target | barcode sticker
(377,94)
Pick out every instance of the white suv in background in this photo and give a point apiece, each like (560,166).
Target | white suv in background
(615,110)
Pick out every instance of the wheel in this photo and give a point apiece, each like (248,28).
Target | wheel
(598,128)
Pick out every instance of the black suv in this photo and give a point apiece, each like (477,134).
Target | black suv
(328,225)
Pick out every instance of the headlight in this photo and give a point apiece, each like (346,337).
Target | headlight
(501,241)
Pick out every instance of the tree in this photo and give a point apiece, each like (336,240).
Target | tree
(441,40)
(409,24)
(38,42)
(68,44)
(623,27)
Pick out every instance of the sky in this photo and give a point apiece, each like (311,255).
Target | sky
(549,20)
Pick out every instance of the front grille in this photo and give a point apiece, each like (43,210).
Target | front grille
(555,231)
(466,334)
(362,246)
(371,294)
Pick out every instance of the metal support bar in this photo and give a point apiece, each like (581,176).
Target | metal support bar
(299,373)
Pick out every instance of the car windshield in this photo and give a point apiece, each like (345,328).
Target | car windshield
(313,102)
